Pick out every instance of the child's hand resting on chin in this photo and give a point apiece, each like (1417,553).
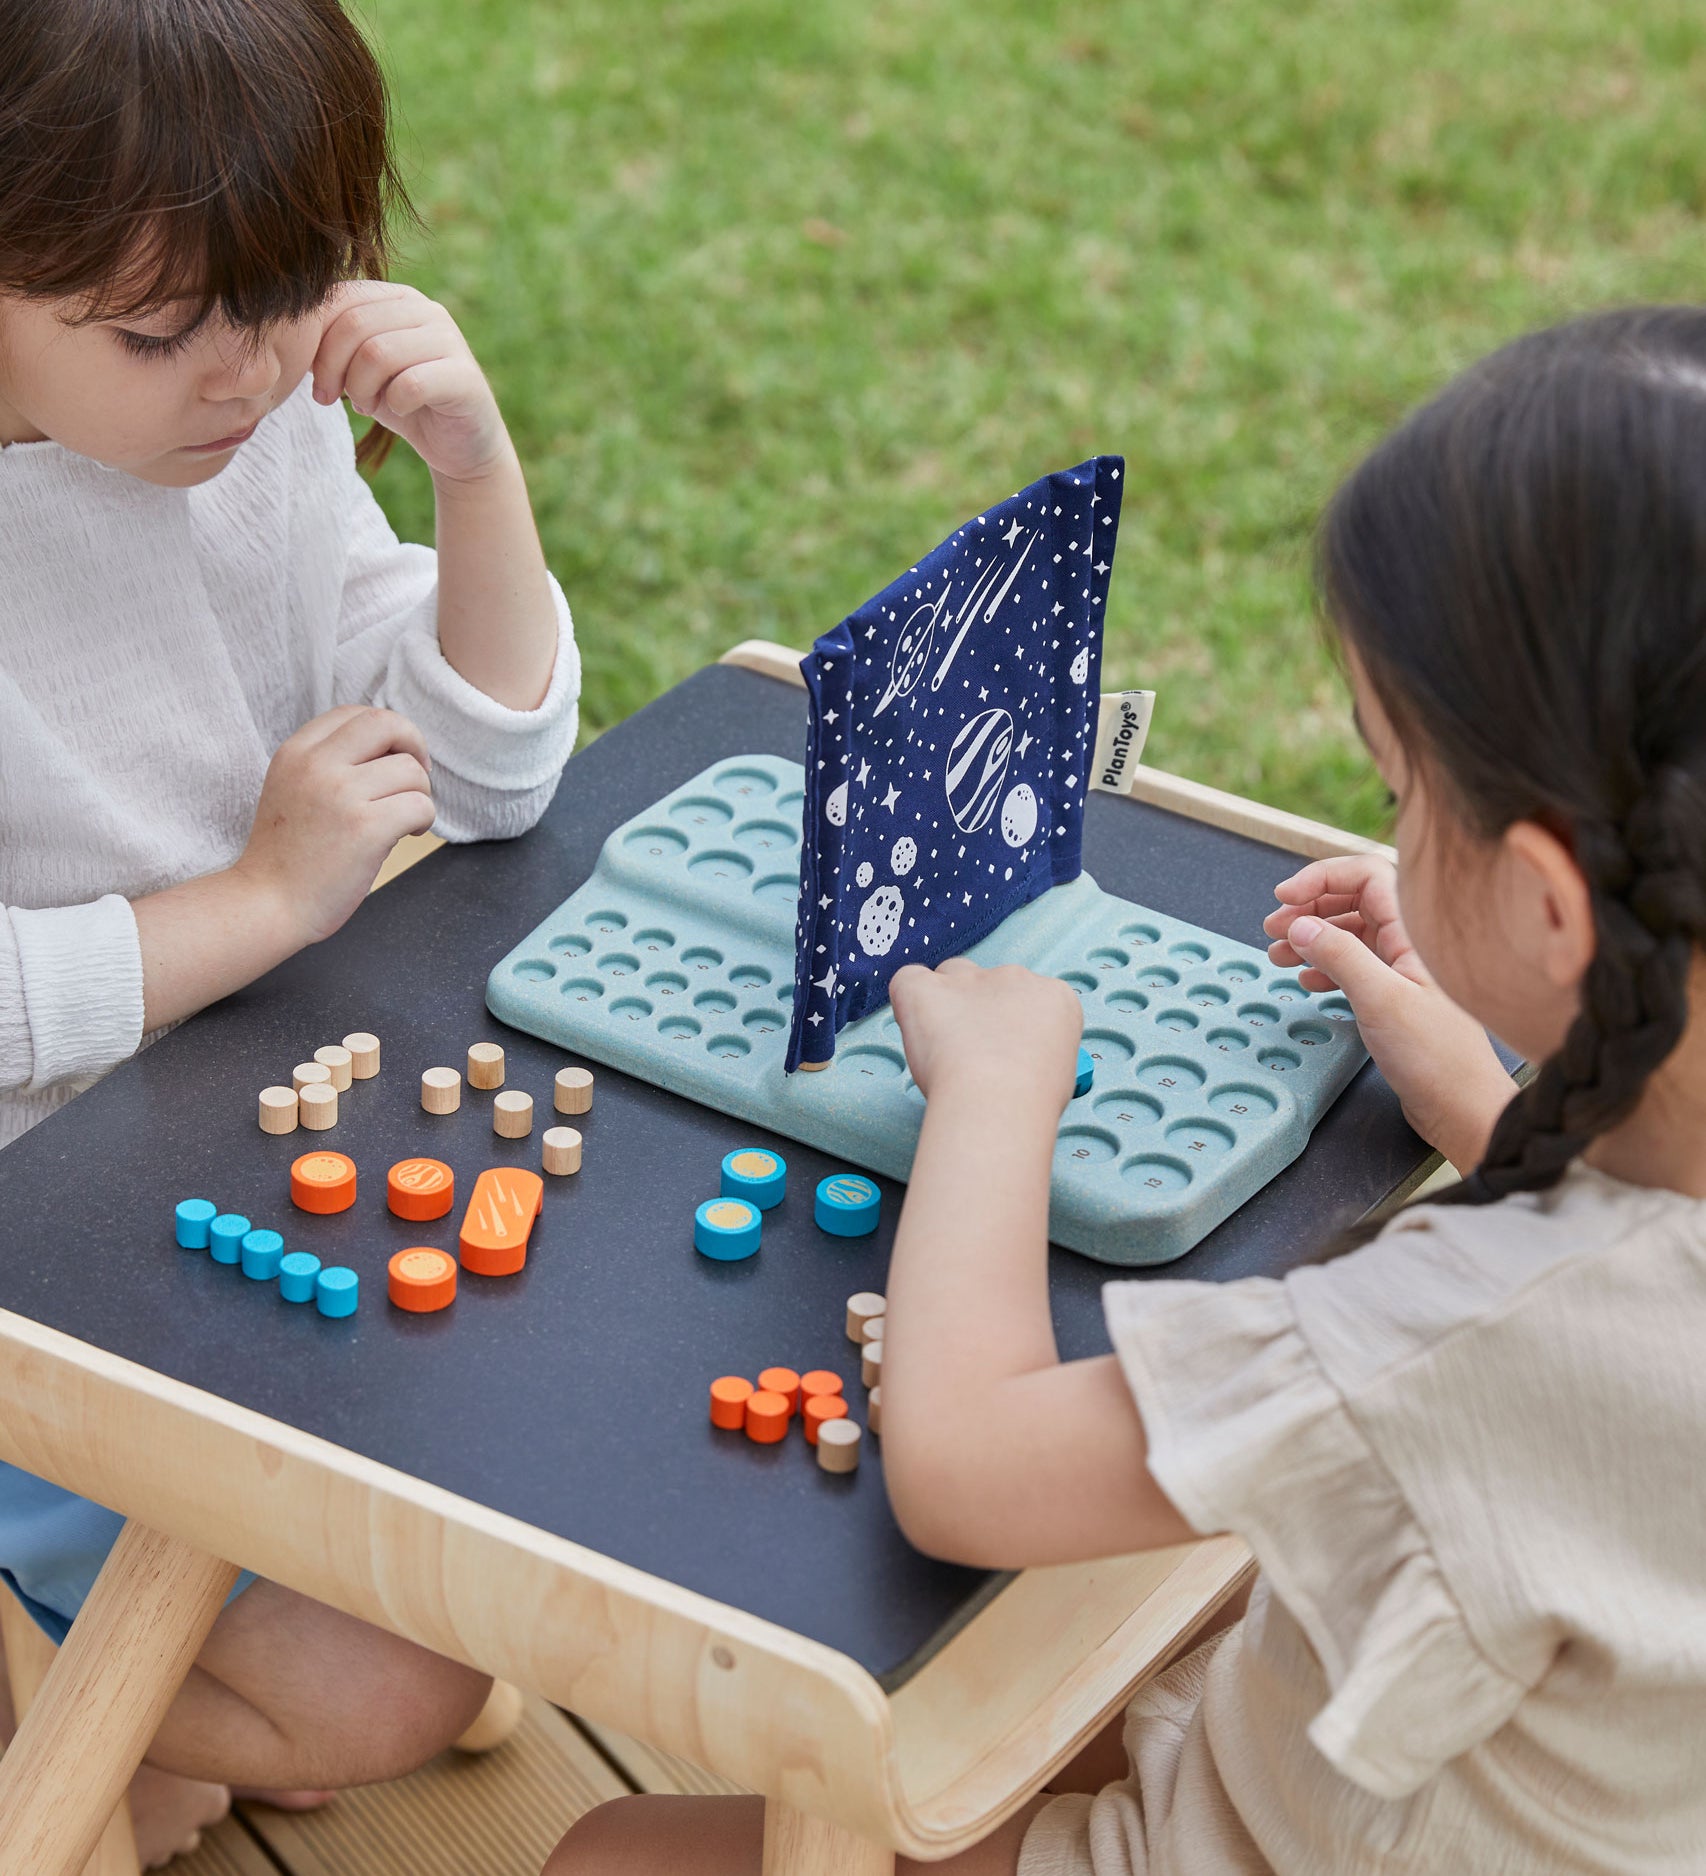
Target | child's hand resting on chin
(988,1029)
(1340,920)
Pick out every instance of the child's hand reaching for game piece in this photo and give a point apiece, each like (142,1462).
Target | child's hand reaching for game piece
(400,358)
(988,1029)
(1340,920)
(338,795)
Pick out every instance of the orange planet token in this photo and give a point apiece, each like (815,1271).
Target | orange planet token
(323,1182)
(729,1395)
(420,1188)
(819,1408)
(767,1417)
(818,1383)
(782,1381)
(500,1215)
(421,1279)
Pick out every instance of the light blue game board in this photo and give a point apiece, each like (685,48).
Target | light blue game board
(675,963)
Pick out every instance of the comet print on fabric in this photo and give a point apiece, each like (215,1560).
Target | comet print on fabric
(953,722)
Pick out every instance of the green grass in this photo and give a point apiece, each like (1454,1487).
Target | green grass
(775,293)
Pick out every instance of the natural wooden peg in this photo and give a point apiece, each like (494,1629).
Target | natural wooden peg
(335,1057)
(838,1445)
(871,1363)
(304,1074)
(562,1150)
(278,1110)
(317,1105)
(863,1308)
(874,1411)
(874,1328)
(573,1091)
(441,1090)
(364,1054)
(512,1114)
(486,1065)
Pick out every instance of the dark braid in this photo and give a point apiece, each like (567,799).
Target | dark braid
(1521,570)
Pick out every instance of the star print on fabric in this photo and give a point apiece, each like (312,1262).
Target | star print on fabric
(864,771)
(891,798)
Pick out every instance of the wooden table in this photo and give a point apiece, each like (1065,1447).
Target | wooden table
(856,1761)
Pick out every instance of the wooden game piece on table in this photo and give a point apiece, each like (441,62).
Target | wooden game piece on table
(317,1106)
(263,1252)
(363,1054)
(297,1276)
(756,1175)
(500,1215)
(860,1310)
(512,1114)
(572,1093)
(337,1290)
(418,1189)
(562,1150)
(818,1409)
(421,1279)
(323,1182)
(727,1230)
(729,1395)
(441,1090)
(225,1237)
(278,1110)
(847,1205)
(783,1381)
(767,1417)
(819,1384)
(874,1411)
(874,1328)
(192,1221)
(307,1074)
(838,1446)
(335,1058)
(486,1065)
(871,1363)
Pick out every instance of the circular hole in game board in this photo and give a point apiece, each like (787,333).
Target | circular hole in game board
(1188,951)
(873,1062)
(1281,1061)
(656,843)
(1170,1072)
(583,989)
(572,944)
(1158,977)
(1199,1139)
(749,976)
(1140,934)
(1110,958)
(1287,990)
(653,939)
(618,964)
(1239,971)
(729,1047)
(1309,1034)
(1228,1041)
(745,784)
(1156,1174)
(1084,1146)
(1242,1102)
(701,958)
(1339,1008)
(535,968)
(678,1028)
(1126,1107)
(1127,1000)
(718,1000)
(1181,1022)
(766,837)
(1208,996)
(1108,1048)
(778,887)
(763,1022)
(794,803)
(701,811)
(666,983)
(1081,981)
(1258,1015)
(720,864)
(632,1009)
(607,922)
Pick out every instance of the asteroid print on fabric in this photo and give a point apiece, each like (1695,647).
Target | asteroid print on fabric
(953,719)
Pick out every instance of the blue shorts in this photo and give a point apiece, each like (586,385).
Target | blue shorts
(52,1546)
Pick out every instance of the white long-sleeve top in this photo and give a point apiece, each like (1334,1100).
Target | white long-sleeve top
(156,647)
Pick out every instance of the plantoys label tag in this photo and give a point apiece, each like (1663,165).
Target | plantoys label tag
(1121,731)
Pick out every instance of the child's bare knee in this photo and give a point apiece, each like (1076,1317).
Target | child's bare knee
(641,1836)
(404,1711)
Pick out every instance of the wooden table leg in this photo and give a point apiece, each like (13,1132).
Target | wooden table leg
(104,1697)
(798,1845)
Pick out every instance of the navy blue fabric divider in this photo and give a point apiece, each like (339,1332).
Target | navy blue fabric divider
(573,1396)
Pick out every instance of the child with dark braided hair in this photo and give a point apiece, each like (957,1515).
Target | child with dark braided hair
(1465,1448)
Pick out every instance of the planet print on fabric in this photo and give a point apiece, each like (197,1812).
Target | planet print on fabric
(905,856)
(866,873)
(1019,814)
(879,920)
(977,766)
(835,808)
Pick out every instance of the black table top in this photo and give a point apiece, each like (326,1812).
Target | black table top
(573,1395)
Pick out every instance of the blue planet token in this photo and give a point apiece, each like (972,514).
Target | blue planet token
(727,1229)
(225,1237)
(193,1218)
(750,1172)
(296,1274)
(847,1205)
(336,1291)
(1086,1073)
(263,1252)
